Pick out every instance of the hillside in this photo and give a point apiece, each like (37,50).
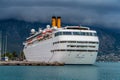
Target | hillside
(17,31)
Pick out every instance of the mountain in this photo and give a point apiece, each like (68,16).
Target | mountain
(17,31)
(109,41)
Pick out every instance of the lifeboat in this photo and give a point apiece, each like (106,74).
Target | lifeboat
(43,32)
(29,41)
(49,31)
(39,37)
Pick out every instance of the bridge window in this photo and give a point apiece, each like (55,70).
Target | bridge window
(76,33)
(67,33)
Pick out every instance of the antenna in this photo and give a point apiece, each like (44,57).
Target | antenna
(3,46)
(0,44)
(6,43)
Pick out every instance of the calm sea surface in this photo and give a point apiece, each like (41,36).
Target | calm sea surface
(99,71)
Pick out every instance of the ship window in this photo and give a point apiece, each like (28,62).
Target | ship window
(77,46)
(95,34)
(81,46)
(83,33)
(91,34)
(92,46)
(58,33)
(82,42)
(76,33)
(63,41)
(57,50)
(93,42)
(71,41)
(92,50)
(67,33)
(73,45)
(63,33)
(87,33)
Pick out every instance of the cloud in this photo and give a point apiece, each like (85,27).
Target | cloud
(89,12)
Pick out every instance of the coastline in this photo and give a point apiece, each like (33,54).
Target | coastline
(28,63)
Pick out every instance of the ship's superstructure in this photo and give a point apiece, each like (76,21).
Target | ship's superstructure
(69,45)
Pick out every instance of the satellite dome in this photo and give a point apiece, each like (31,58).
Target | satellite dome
(32,31)
(48,26)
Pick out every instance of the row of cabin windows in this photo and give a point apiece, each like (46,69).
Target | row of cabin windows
(74,42)
(76,33)
(82,46)
(72,50)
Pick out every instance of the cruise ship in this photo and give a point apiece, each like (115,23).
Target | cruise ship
(68,45)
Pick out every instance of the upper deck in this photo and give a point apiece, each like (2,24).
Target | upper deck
(52,32)
(77,30)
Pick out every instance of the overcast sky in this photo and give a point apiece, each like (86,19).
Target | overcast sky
(89,12)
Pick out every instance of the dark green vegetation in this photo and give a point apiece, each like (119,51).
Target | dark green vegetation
(14,56)
(17,32)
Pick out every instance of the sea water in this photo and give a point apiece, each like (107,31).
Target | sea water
(98,71)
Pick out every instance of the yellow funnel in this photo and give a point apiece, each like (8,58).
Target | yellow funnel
(58,22)
(54,21)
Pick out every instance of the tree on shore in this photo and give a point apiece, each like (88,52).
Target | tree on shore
(21,56)
(14,56)
(11,56)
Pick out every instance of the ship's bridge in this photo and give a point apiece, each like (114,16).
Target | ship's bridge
(77,28)
(75,33)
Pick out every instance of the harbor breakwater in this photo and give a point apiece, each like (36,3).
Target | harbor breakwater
(29,63)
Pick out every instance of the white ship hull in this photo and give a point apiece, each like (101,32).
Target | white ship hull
(47,51)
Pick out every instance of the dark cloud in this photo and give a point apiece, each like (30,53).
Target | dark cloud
(104,12)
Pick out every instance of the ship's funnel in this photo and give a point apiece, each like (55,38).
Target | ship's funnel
(58,22)
(54,21)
